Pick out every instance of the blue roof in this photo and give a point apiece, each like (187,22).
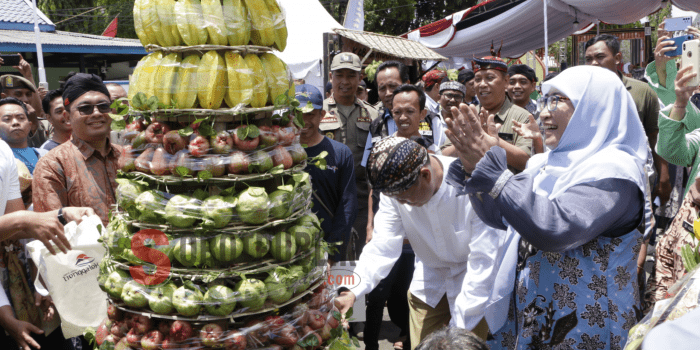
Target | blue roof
(60,41)
(18,15)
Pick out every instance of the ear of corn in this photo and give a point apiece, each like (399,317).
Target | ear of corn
(214,19)
(195,18)
(259,80)
(211,80)
(278,23)
(166,77)
(165,10)
(237,23)
(277,76)
(138,27)
(186,85)
(262,33)
(151,22)
(240,80)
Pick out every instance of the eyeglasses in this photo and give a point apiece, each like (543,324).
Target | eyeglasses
(88,109)
(550,101)
(455,97)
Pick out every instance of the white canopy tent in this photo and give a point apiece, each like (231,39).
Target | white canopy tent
(307,20)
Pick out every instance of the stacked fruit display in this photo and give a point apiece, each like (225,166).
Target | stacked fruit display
(211,243)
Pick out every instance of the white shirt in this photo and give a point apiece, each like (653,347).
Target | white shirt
(9,190)
(431,105)
(439,127)
(456,249)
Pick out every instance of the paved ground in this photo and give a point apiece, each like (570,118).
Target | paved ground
(388,334)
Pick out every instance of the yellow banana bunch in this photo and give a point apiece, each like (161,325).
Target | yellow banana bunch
(166,75)
(151,22)
(259,80)
(211,80)
(168,27)
(138,27)
(240,80)
(263,33)
(214,19)
(190,22)
(186,82)
(278,23)
(237,23)
(277,77)
(146,72)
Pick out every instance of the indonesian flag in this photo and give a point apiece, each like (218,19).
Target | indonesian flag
(111,29)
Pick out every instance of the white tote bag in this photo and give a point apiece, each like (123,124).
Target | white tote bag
(71,278)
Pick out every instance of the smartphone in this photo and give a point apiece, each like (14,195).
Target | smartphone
(10,60)
(691,56)
(678,43)
(44,85)
(677,23)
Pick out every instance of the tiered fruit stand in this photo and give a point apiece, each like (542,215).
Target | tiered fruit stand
(211,243)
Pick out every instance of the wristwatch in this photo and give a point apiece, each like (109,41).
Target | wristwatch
(61,219)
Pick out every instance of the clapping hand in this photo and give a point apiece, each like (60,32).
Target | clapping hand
(471,135)
(529,131)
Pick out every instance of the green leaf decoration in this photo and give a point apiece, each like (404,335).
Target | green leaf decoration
(152,103)
(206,130)
(242,133)
(228,192)
(349,314)
(281,100)
(288,188)
(337,315)
(279,169)
(294,102)
(204,175)
(186,131)
(307,108)
(139,100)
(200,194)
(313,341)
(182,171)
(356,341)
(89,334)
(118,125)
(253,131)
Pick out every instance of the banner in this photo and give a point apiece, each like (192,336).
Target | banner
(355,15)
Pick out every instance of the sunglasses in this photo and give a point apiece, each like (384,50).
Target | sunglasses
(88,108)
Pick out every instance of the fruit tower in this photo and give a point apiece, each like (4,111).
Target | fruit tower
(211,243)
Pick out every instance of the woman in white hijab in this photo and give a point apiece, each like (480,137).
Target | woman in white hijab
(572,215)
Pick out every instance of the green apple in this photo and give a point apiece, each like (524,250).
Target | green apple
(134,294)
(115,283)
(251,293)
(253,205)
(218,211)
(220,300)
(226,247)
(190,250)
(181,211)
(256,245)
(283,246)
(188,300)
(161,299)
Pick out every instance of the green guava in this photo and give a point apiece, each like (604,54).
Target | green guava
(253,205)
(181,211)
(218,211)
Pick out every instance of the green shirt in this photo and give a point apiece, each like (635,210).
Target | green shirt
(646,101)
(505,116)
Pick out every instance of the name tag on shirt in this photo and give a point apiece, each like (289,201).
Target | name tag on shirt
(507,137)
(426,132)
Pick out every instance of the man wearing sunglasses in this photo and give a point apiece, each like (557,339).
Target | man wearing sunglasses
(81,172)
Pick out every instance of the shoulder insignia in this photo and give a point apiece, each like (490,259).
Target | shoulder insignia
(364,119)
(330,135)
(423,126)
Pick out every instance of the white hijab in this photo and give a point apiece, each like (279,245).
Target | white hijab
(604,139)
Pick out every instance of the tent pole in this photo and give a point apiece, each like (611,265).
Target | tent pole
(546,41)
(39,53)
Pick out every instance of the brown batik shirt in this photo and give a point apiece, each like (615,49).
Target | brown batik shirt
(74,174)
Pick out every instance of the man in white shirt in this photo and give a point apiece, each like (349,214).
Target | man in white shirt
(456,249)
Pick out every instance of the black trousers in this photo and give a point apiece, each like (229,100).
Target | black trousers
(393,291)
(54,341)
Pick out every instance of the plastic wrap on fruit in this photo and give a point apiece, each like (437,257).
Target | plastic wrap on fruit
(252,293)
(145,77)
(166,75)
(190,22)
(182,211)
(253,206)
(151,206)
(127,192)
(297,152)
(185,89)
(218,211)
(193,251)
(239,92)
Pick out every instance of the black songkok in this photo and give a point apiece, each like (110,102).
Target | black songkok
(80,84)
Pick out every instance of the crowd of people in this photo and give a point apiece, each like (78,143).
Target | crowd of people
(483,212)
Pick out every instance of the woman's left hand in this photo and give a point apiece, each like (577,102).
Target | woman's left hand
(467,132)
(45,303)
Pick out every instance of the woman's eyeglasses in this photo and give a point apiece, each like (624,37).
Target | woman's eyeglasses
(550,101)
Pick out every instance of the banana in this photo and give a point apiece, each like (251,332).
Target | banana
(196,22)
(144,78)
(262,33)
(151,22)
(165,10)
(278,23)
(277,76)
(185,87)
(138,27)
(211,80)
(259,80)
(240,80)
(214,19)
(166,74)
(237,23)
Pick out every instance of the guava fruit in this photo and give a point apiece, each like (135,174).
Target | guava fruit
(220,300)
(281,203)
(127,192)
(256,245)
(277,286)
(181,211)
(226,247)
(218,211)
(304,236)
(161,298)
(115,283)
(188,300)
(260,162)
(253,205)
(283,246)
(252,293)
(191,251)
(150,205)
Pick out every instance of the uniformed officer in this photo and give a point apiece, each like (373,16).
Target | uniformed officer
(347,120)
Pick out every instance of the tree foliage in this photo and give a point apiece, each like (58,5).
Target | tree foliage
(71,15)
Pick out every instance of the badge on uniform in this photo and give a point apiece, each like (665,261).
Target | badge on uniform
(507,137)
(330,135)
(364,119)
(426,132)
(9,82)
(345,58)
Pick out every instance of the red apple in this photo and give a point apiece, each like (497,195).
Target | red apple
(221,143)
(316,319)
(286,336)
(142,324)
(285,134)
(275,322)
(181,330)
(114,313)
(199,145)
(210,335)
(101,333)
(119,329)
(268,137)
(281,156)
(152,340)
(133,338)
(173,142)
(235,340)
(169,343)
(156,131)
(238,163)
(248,144)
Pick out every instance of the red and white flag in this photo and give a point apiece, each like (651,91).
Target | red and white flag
(111,28)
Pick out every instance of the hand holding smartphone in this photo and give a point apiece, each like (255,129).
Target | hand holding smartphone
(10,60)
(677,23)
(691,56)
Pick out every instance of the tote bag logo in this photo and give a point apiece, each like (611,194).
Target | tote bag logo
(83,260)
